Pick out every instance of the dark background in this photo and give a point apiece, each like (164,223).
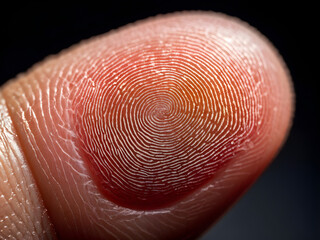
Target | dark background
(285,201)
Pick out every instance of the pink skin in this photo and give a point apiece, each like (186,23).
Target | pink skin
(57,110)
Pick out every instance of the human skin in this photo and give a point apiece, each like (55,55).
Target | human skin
(151,131)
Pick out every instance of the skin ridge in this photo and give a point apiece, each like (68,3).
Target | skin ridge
(52,232)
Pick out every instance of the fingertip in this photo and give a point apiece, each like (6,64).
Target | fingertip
(161,123)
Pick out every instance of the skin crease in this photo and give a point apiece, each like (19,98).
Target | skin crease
(22,213)
(43,104)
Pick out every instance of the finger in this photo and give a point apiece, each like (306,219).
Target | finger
(153,130)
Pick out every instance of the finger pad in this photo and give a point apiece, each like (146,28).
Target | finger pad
(162,105)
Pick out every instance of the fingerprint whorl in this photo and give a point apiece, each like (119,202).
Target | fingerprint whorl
(163,118)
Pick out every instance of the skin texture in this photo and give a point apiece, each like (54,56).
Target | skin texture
(150,131)
(22,213)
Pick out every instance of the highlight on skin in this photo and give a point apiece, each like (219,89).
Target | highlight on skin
(131,133)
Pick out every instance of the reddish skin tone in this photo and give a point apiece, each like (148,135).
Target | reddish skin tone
(165,97)
(106,167)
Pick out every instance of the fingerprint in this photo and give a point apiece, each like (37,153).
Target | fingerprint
(159,116)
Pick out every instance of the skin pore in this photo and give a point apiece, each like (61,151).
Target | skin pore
(147,132)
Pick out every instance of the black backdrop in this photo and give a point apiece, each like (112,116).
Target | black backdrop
(285,201)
